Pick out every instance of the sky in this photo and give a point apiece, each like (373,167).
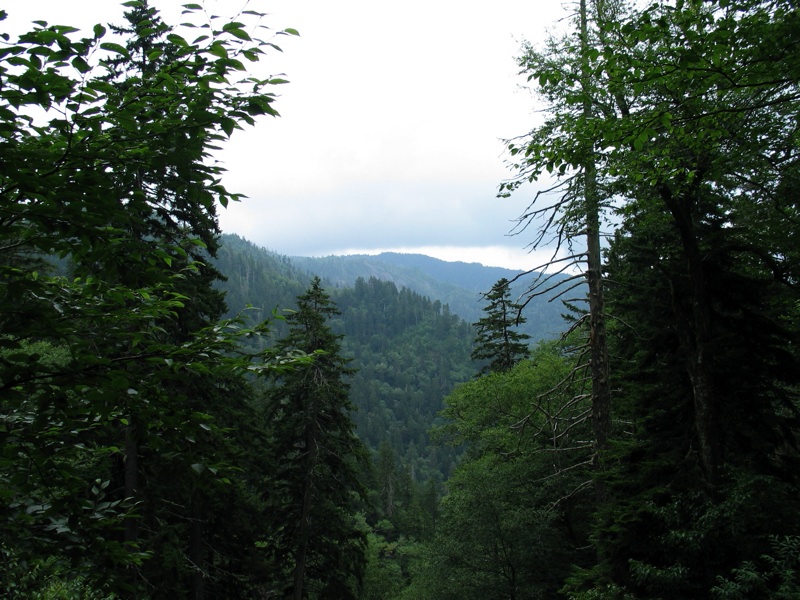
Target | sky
(391,128)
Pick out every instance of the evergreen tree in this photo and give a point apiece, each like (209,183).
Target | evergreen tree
(386,479)
(319,550)
(497,341)
(658,490)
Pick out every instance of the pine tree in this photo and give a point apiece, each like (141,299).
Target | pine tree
(318,548)
(497,341)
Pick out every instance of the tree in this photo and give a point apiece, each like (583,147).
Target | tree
(496,340)
(319,550)
(569,146)
(695,139)
(510,525)
(690,128)
(658,489)
(105,169)
(386,479)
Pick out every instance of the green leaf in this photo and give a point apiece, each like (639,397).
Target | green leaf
(81,65)
(112,47)
(178,40)
(228,125)
(218,49)
(240,33)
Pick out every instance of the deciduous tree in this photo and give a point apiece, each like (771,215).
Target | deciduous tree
(105,167)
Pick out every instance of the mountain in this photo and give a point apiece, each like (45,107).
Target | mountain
(470,276)
(407,325)
(408,350)
(460,285)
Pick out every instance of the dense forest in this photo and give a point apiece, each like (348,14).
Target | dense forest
(186,415)
(408,350)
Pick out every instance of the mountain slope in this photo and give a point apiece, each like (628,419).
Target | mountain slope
(459,285)
(409,351)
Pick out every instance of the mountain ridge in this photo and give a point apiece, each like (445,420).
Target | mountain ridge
(460,285)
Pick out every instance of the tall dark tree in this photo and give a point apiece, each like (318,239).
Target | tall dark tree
(693,131)
(318,548)
(497,340)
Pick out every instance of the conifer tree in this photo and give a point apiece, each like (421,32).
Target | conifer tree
(318,549)
(497,341)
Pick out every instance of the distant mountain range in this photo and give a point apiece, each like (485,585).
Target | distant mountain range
(270,280)
(406,323)
(460,285)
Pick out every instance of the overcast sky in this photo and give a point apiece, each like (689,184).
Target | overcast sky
(390,131)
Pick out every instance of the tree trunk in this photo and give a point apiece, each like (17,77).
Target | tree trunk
(695,337)
(601,393)
(304,534)
(196,553)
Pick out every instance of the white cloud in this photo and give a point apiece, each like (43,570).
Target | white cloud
(391,125)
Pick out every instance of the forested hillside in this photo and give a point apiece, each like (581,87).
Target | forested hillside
(257,281)
(460,285)
(408,351)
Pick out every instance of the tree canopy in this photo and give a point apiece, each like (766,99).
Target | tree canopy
(683,114)
(116,375)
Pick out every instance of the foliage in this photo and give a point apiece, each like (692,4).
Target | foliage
(776,575)
(113,370)
(314,541)
(511,522)
(497,339)
(687,116)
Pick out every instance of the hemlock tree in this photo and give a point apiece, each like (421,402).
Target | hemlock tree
(496,340)
(705,156)
(319,550)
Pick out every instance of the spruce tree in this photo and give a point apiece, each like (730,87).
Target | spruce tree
(497,341)
(318,549)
